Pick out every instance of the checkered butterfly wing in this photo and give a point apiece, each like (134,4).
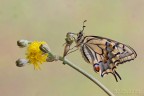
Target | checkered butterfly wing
(106,54)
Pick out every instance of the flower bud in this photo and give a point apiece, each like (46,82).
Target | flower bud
(21,62)
(45,48)
(23,43)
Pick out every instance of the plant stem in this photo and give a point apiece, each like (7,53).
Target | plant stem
(52,57)
(66,61)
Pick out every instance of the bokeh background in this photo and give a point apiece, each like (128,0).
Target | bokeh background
(50,20)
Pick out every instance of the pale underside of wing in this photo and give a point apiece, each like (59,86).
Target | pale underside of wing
(106,53)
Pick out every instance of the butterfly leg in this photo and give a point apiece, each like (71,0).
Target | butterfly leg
(69,50)
(66,49)
(72,51)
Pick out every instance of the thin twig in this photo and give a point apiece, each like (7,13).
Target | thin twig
(66,61)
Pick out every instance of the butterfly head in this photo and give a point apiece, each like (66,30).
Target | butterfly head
(80,35)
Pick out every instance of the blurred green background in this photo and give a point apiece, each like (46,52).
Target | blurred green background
(50,20)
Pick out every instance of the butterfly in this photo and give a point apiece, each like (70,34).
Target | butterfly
(103,53)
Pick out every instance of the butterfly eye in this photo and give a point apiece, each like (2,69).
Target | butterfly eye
(80,34)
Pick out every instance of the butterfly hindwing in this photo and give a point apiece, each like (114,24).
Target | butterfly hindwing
(106,53)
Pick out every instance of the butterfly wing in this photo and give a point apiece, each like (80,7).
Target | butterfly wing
(105,54)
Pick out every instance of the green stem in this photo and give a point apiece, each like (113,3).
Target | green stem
(66,61)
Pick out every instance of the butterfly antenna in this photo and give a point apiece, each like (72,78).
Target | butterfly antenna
(83,25)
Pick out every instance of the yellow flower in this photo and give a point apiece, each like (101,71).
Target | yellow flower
(35,55)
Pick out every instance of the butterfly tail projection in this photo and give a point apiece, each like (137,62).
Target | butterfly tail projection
(118,75)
